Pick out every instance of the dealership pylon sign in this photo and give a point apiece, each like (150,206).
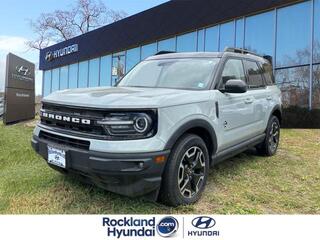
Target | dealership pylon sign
(19,90)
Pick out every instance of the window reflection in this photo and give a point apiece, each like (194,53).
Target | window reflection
(47,83)
(105,71)
(55,80)
(94,72)
(260,33)
(64,78)
(294,84)
(316,87)
(226,35)
(148,50)
(83,74)
(212,39)
(73,76)
(239,33)
(167,45)
(316,42)
(200,47)
(132,58)
(187,42)
(293,35)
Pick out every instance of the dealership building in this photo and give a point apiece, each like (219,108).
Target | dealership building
(287,30)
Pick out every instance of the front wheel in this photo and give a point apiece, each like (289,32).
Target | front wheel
(270,145)
(186,172)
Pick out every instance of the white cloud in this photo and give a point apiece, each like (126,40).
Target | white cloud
(17,45)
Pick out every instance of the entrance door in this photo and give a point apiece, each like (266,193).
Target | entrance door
(118,67)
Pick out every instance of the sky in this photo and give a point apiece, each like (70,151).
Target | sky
(15,29)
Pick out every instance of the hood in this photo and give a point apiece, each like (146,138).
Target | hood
(124,97)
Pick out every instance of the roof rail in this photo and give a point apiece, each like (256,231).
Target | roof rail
(245,51)
(163,52)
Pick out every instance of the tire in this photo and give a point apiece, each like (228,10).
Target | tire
(270,145)
(186,172)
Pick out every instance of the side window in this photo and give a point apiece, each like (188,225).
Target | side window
(267,73)
(255,79)
(233,69)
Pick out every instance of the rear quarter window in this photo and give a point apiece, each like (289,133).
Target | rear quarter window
(267,73)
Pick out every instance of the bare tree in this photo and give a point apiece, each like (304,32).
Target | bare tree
(60,25)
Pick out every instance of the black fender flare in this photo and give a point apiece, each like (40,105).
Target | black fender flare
(277,108)
(196,123)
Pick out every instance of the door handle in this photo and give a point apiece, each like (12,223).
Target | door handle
(248,101)
(269,98)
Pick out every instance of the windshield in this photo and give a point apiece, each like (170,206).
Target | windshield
(186,73)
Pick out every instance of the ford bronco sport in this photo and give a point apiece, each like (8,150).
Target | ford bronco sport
(156,132)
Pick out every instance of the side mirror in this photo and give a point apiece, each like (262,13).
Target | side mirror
(235,86)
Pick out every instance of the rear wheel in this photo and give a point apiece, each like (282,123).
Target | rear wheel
(270,145)
(186,172)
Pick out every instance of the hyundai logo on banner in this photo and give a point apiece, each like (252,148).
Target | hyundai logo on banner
(203,227)
(203,222)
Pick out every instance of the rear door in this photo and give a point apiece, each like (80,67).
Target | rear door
(258,92)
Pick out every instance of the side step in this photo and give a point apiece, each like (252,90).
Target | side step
(239,148)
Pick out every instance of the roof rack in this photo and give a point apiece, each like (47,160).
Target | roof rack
(245,51)
(164,52)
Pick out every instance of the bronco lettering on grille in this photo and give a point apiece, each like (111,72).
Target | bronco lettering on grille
(65,118)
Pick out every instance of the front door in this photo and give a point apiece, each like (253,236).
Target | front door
(236,109)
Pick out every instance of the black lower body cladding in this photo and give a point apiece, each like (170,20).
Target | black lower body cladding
(132,175)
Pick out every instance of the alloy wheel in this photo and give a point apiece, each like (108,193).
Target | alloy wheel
(191,172)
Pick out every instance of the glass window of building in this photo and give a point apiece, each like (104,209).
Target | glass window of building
(55,80)
(201,39)
(105,71)
(187,42)
(240,33)
(226,35)
(64,77)
(260,33)
(167,45)
(233,69)
(293,35)
(254,73)
(73,75)
(212,39)
(148,50)
(83,74)
(294,84)
(132,58)
(316,87)
(46,83)
(316,42)
(94,72)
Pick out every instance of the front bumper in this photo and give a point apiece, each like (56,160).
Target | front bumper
(127,174)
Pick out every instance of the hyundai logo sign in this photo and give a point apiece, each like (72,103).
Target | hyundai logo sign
(51,55)
(167,226)
(203,222)
(22,70)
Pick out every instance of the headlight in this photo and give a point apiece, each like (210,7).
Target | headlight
(128,125)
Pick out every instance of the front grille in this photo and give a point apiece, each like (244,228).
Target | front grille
(71,142)
(92,130)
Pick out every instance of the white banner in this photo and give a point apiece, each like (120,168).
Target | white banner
(96,227)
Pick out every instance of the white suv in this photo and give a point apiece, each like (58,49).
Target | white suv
(157,132)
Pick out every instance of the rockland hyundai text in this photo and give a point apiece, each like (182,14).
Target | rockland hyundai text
(156,132)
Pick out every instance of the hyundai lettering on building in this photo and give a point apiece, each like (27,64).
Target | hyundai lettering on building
(51,55)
